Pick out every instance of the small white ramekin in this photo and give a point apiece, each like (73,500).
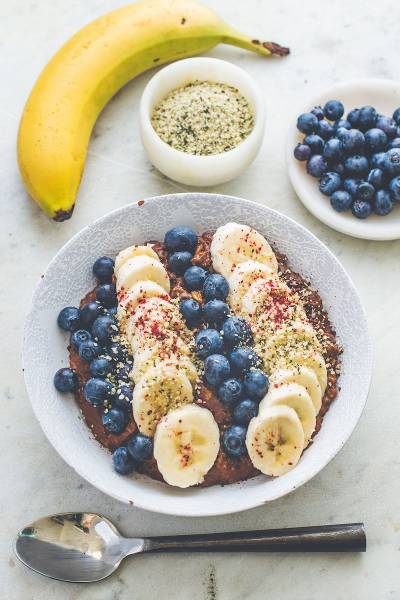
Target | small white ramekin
(192,169)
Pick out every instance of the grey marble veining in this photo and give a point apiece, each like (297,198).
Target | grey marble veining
(330,42)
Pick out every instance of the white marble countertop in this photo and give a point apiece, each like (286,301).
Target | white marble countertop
(330,42)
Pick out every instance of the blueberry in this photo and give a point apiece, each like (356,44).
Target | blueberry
(215,311)
(111,312)
(302,152)
(216,369)
(377,160)
(236,331)
(100,367)
(242,359)
(90,312)
(78,337)
(361,209)
(195,277)
(140,447)
(118,351)
(316,165)
(208,341)
(341,201)
(122,372)
(230,392)
(325,130)
(123,398)
(66,380)
(215,287)
(350,185)
(395,143)
(333,150)
(353,117)
(234,441)
(329,183)
(114,420)
(179,261)
(366,118)
(333,110)
(96,391)
(396,116)
(342,123)
(104,329)
(191,312)
(375,140)
(375,178)
(365,191)
(255,384)
(315,142)
(123,461)
(307,123)
(356,165)
(388,125)
(89,350)
(245,411)
(383,205)
(318,112)
(353,142)
(394,189)
(181,238)
(341,133)
(106,294)
(337,168)
(103,269)
(69,318)
(392,161)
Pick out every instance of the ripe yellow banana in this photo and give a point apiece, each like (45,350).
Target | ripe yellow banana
(89,69)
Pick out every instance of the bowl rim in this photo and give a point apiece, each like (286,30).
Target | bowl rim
(156,506)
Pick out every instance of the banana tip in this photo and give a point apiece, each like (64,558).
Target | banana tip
(63,215)
(273,47)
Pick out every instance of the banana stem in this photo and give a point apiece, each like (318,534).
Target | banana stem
(236,38)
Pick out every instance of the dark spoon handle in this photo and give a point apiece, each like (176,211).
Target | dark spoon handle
(325,538)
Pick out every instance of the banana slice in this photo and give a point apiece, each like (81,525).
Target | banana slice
(300,358)
(186,444)
(296,336)
(243,275)
(295,396)
(155,319)
(275,440)
(160,390)
(234,243)
(139,293)
(141,268)
(177,357)
(303,376)
(131,252)
(264,293)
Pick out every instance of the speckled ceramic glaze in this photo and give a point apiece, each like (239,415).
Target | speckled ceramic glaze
(69,277)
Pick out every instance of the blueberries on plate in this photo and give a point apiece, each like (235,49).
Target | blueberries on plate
(234,441)
(215,287)
(242,359)
(90,312)
(236,331)
(394,188)
(375,178)
(307,123)
(78,337)
(333,110)
(103,269)
(377,160)
(315,142)
(350,185)
(255,384)
(191,311)
(353,142)
(302,152)
(66,380)
(391,161)
(383,204)
(245,411)
(179,261)
(365,191)
(208,341)
(195,277)
(114,420)
(366,118)
(216,369)
(333,150)
(140,447)
(89,350)
(106,294)
(96,391)
(356,166)
(388,125)
(215,312)
(316,165)
(100,367)
(341,201)
(230,392)
(181,238)
(375,140)
(329,183)
(361,209)
(69,318)
(104,329)
(123,461)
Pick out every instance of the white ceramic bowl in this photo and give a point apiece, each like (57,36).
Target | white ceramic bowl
(187,168)
(384,95)
(69,277)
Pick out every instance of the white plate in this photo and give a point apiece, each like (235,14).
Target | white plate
(384,95)
(69,277)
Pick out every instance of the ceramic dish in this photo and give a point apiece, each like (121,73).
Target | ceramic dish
(188,168)
(384,95)
(45,350)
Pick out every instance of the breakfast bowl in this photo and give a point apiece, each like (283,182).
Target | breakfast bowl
(45,348)
(191,169)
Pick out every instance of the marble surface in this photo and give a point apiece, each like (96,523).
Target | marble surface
(329,43)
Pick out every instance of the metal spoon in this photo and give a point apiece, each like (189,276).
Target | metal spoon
(84,547)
